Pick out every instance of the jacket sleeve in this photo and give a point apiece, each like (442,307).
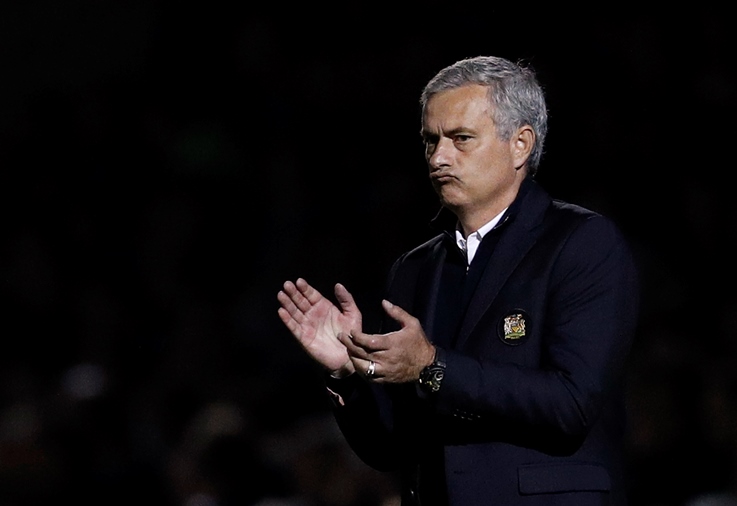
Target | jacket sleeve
(365,415)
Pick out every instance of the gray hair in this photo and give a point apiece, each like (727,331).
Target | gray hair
(514,92)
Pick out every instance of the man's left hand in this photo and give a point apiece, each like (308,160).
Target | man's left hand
(398,357)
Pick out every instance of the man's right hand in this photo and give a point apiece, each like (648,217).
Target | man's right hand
(315,321)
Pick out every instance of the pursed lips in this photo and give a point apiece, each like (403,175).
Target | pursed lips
(441,177)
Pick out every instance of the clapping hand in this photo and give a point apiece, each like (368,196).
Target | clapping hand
(316,322)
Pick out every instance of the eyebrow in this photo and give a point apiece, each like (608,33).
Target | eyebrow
(450,133)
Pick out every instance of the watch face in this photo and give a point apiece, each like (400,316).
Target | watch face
(432,376)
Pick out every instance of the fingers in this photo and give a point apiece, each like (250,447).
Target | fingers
(364,355)
(361,345)
(290,298)
(298,297)
(294,305)
(310,293)
(286,300)
(367,368)
(371,371)
(302,294)
(289,321)
(290,313)
(354,350)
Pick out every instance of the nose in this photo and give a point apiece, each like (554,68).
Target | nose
(442,155)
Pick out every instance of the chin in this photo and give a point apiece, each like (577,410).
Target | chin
(449,199)
(451,205)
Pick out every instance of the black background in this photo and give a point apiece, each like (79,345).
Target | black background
(166,166)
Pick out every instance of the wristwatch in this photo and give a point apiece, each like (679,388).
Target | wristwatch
(431,376)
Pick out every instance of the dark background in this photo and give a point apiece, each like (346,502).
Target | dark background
(166,166)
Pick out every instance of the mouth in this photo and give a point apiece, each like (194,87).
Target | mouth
(441,177)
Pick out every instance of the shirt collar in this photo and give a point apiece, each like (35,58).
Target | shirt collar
(469,245)
(481,232)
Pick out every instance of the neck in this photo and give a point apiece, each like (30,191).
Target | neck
(470,224)
(473,219)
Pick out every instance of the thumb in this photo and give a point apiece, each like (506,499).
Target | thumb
(344,297)
(396,312)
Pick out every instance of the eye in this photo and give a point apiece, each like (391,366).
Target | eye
(463,142)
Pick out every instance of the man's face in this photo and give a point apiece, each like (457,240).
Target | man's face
(473,171)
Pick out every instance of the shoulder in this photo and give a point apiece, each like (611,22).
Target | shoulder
(586,241)
(423,251)
(535,211)
(411,263)
(583,223)
(572,212)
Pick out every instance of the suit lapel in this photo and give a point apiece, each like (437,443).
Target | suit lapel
(522,232)
(428,287)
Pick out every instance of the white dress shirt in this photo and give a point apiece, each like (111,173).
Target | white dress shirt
(470,244)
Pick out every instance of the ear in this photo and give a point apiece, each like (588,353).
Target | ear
(522,143)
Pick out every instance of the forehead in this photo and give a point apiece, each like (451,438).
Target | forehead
(456,107)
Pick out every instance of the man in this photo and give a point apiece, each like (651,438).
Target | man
(498,376)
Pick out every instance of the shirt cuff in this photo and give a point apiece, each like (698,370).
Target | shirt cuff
(340,389)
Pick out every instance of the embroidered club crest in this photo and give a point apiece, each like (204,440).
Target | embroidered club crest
(513,328)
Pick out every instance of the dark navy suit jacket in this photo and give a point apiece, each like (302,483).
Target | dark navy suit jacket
(531,407)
